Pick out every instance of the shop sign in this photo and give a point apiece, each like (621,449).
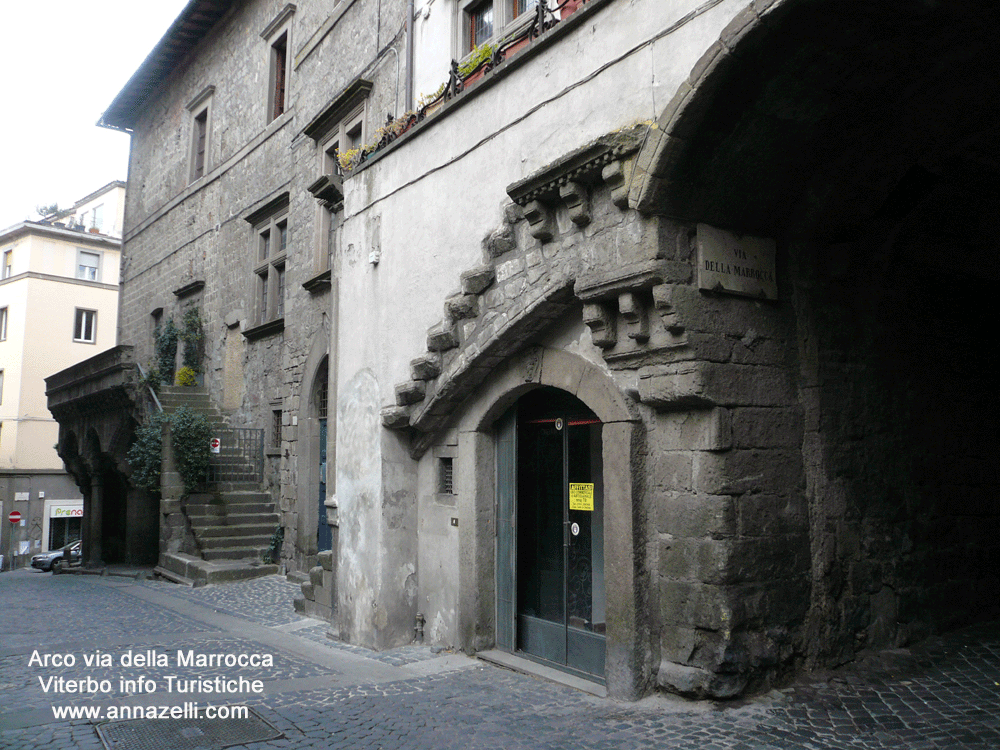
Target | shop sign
(66,511)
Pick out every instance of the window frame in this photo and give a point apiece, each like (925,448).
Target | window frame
(278,35)
(269,261)
(200,112)
(80,252)
(79,317)
(506,20)
(8,264)
(4,317)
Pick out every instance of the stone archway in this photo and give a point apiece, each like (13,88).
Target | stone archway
(628,672)
(862,138)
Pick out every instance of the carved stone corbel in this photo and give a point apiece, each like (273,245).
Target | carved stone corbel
(575,197)
(615,176)
(634,314)
(540,222)
(601,321)
(663,302)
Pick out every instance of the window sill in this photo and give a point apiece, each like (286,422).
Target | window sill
(263,330)
(319,283)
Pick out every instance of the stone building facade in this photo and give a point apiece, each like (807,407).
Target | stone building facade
(627,346)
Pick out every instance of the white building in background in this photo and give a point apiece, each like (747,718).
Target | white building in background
(58,306)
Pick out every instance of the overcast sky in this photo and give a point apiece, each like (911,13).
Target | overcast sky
(63,61)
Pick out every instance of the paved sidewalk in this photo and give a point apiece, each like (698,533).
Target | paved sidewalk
(318,693)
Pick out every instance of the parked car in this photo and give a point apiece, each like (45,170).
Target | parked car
(66,556)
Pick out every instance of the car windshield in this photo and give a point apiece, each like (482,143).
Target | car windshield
(69,546)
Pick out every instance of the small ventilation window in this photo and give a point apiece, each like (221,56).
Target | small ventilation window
(446,476)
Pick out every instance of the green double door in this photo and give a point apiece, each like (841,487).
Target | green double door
(550,533)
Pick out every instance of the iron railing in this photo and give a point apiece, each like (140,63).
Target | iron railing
(240,457)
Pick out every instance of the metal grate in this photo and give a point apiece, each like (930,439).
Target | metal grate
(186,733)
(446,476)
(240,457)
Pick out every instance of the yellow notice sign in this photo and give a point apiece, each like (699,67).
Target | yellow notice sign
(581,496)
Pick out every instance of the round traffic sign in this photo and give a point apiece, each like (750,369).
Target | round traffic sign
(14,517)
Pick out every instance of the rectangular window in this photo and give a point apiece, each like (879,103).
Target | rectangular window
(200,137)
(480,24)
(270,245)
(8,264)
(523,6)
(1,386)
(279,71)
(97,217)
(201,133)
(3,323)
(88,266)
(488,21)
(276,428)
(85,326)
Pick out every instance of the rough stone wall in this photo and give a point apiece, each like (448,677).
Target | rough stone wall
(897,446)
(179,233)
(730,545)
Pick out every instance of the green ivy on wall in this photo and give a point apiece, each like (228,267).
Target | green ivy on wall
(191,434)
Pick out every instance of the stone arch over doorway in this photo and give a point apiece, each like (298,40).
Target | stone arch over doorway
(863,139)
(627,668)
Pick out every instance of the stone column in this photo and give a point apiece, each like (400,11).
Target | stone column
(95,518)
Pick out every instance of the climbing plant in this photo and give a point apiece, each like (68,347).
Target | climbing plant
(166,350)
(190,432)
(144,455)
(192,334)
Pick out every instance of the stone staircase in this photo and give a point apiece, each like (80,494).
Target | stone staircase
(228,526)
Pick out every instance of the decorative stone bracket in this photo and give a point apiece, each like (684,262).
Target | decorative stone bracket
(629,311)
(570,180)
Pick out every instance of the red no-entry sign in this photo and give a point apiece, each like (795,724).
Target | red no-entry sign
(14,517)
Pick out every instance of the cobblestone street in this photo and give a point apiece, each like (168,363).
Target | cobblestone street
(944,693)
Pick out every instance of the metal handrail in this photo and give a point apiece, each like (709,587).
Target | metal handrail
(152,393)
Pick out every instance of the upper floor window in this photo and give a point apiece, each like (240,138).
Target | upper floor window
(97,217)
(85,326)
(201,127)
(278,35)
(88,266)
(8,264)
(3,323)
(485,21)
(270,245)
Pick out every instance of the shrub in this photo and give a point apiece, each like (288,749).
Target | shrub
(186,377)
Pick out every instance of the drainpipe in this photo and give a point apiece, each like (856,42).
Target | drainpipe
(408,105)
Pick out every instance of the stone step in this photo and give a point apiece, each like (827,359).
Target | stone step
(209,543)
(195,571)
(241,552)
(252,510)
(237,529)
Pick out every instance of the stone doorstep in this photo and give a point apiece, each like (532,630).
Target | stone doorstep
(529,667)
(193,571)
